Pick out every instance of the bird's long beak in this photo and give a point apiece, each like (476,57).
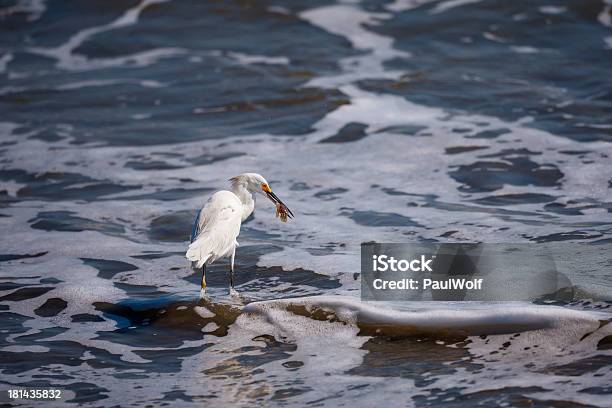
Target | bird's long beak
(277,200)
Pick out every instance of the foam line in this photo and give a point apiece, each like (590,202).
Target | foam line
(68,60)
(385,318)
(34,8)
(348,21)
(451,4)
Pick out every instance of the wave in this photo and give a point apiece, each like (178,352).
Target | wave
(462,319)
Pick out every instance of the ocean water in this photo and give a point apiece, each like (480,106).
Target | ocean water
(389,121)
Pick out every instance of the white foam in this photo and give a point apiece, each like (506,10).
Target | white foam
(328,346)
(552,9)
(34,8)
(248,59)
(323,350)
(451,4)
(203,312)
(605,16)
(378,111)
(68,60)
(25,349)
(473,318)
(524,49)
(279,9)
(4,61)
(405,5)
(71,86)
(86,84)
(535,355)
(348,21)
(494,38)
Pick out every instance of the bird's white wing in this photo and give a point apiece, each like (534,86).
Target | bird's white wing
(216,228)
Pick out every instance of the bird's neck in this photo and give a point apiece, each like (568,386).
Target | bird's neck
(246,198)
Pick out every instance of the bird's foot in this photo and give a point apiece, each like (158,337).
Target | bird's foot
(234,293)
(203,293)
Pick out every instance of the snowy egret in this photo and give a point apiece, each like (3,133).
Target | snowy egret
(217,224)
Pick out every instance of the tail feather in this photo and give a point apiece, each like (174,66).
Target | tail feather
(209,247)
(199,252)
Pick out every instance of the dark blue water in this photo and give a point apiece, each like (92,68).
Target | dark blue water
(398,121)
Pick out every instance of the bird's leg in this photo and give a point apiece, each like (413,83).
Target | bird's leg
(204,277)
(232,269)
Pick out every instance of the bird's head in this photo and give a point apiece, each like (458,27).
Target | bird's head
(256,183)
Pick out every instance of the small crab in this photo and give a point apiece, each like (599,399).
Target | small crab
(283,212)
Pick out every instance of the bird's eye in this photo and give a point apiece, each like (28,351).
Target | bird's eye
(266,188)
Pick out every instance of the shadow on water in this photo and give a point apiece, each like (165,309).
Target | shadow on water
(167,321)
(150,318)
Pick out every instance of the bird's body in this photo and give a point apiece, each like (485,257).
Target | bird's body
(216,229)
(217,225)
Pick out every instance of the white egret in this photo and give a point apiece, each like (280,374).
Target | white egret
(217,224)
